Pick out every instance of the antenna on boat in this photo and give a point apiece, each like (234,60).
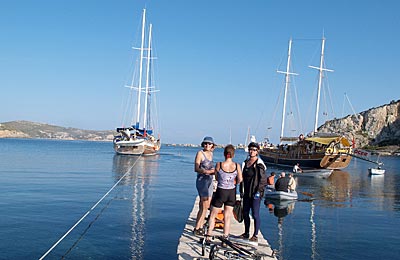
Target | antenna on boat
(321,71)
(287,80)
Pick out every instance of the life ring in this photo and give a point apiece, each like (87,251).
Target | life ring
(329,151)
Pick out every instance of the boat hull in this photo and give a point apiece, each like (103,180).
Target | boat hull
(317,173)
(280,195)
(137,147)
(375,171)
(313,161)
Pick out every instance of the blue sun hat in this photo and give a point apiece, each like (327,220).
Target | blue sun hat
(207,139)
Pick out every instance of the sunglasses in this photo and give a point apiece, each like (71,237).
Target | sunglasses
(253,149)
(207,143)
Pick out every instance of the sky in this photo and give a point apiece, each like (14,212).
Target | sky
(66,62)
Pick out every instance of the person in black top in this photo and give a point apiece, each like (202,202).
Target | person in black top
(252,190)
(282,184)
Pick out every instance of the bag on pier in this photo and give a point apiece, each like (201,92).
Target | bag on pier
(238,211)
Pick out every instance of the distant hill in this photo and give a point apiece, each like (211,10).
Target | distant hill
(27,129)
(376,128)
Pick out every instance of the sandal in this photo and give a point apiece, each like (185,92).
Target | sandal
(208,239)
(254,239)
(244,236)
(198,232)
(223,244)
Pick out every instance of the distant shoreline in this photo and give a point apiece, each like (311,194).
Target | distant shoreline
(391,150)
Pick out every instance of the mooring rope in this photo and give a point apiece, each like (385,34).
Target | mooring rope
(88,212)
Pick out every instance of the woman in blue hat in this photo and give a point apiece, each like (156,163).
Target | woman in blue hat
(204,166)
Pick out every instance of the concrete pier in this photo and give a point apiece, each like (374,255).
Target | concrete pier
(190,247)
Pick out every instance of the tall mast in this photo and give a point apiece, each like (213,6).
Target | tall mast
(140,71)
(321,74)
(287,81)
(147,91)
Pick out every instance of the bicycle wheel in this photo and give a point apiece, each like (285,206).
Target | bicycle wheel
(213,252)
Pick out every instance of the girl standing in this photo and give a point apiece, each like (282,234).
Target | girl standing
(228,174)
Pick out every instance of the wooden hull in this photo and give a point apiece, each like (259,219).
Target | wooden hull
(314,160)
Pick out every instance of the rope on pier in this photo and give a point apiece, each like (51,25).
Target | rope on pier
(88,212)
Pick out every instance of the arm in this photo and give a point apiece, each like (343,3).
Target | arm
(197,162)
(263,178)
(216,169)
(239,177)
(241,185)
(197,168)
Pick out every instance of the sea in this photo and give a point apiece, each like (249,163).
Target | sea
(79,200)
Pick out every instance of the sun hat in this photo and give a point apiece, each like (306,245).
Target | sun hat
(207,139)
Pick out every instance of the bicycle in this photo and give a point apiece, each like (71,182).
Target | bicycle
(232,250)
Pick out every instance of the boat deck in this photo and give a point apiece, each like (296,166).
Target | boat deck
(190,247)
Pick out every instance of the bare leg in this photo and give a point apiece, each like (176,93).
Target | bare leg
(211,220)
(204,204)
(228,212)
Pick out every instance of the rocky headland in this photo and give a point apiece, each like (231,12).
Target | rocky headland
(375,129)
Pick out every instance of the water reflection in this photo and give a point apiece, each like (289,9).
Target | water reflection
(338,188)
(280,209)
(313,232)
(137,172)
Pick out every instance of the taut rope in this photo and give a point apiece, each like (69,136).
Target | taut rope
(88,212)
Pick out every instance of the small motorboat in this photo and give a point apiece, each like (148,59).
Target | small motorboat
(314,173)
(376,171)
(280,195)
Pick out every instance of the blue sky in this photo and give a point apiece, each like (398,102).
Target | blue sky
(66,62)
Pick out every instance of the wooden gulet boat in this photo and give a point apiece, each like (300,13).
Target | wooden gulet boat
(329,150)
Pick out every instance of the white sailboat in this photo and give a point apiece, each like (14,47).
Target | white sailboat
(249,139)
(368,156)
(139,138)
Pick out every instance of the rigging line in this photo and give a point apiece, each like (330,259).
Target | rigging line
(326,85)
(87,228)
(89,211)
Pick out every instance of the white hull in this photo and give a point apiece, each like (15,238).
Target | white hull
(280,195)
(138,138)
(134,142)
(317,173)
(376,171)
(137,147)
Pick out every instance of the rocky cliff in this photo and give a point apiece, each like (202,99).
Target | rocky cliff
(376,127)
(26,129)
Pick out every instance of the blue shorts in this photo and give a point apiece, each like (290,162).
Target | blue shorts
(204,185)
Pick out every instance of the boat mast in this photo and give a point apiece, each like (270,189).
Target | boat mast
(287,81)
(147,91)
(140,71)
(321,71)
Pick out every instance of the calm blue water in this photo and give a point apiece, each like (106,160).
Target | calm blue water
(47,186)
